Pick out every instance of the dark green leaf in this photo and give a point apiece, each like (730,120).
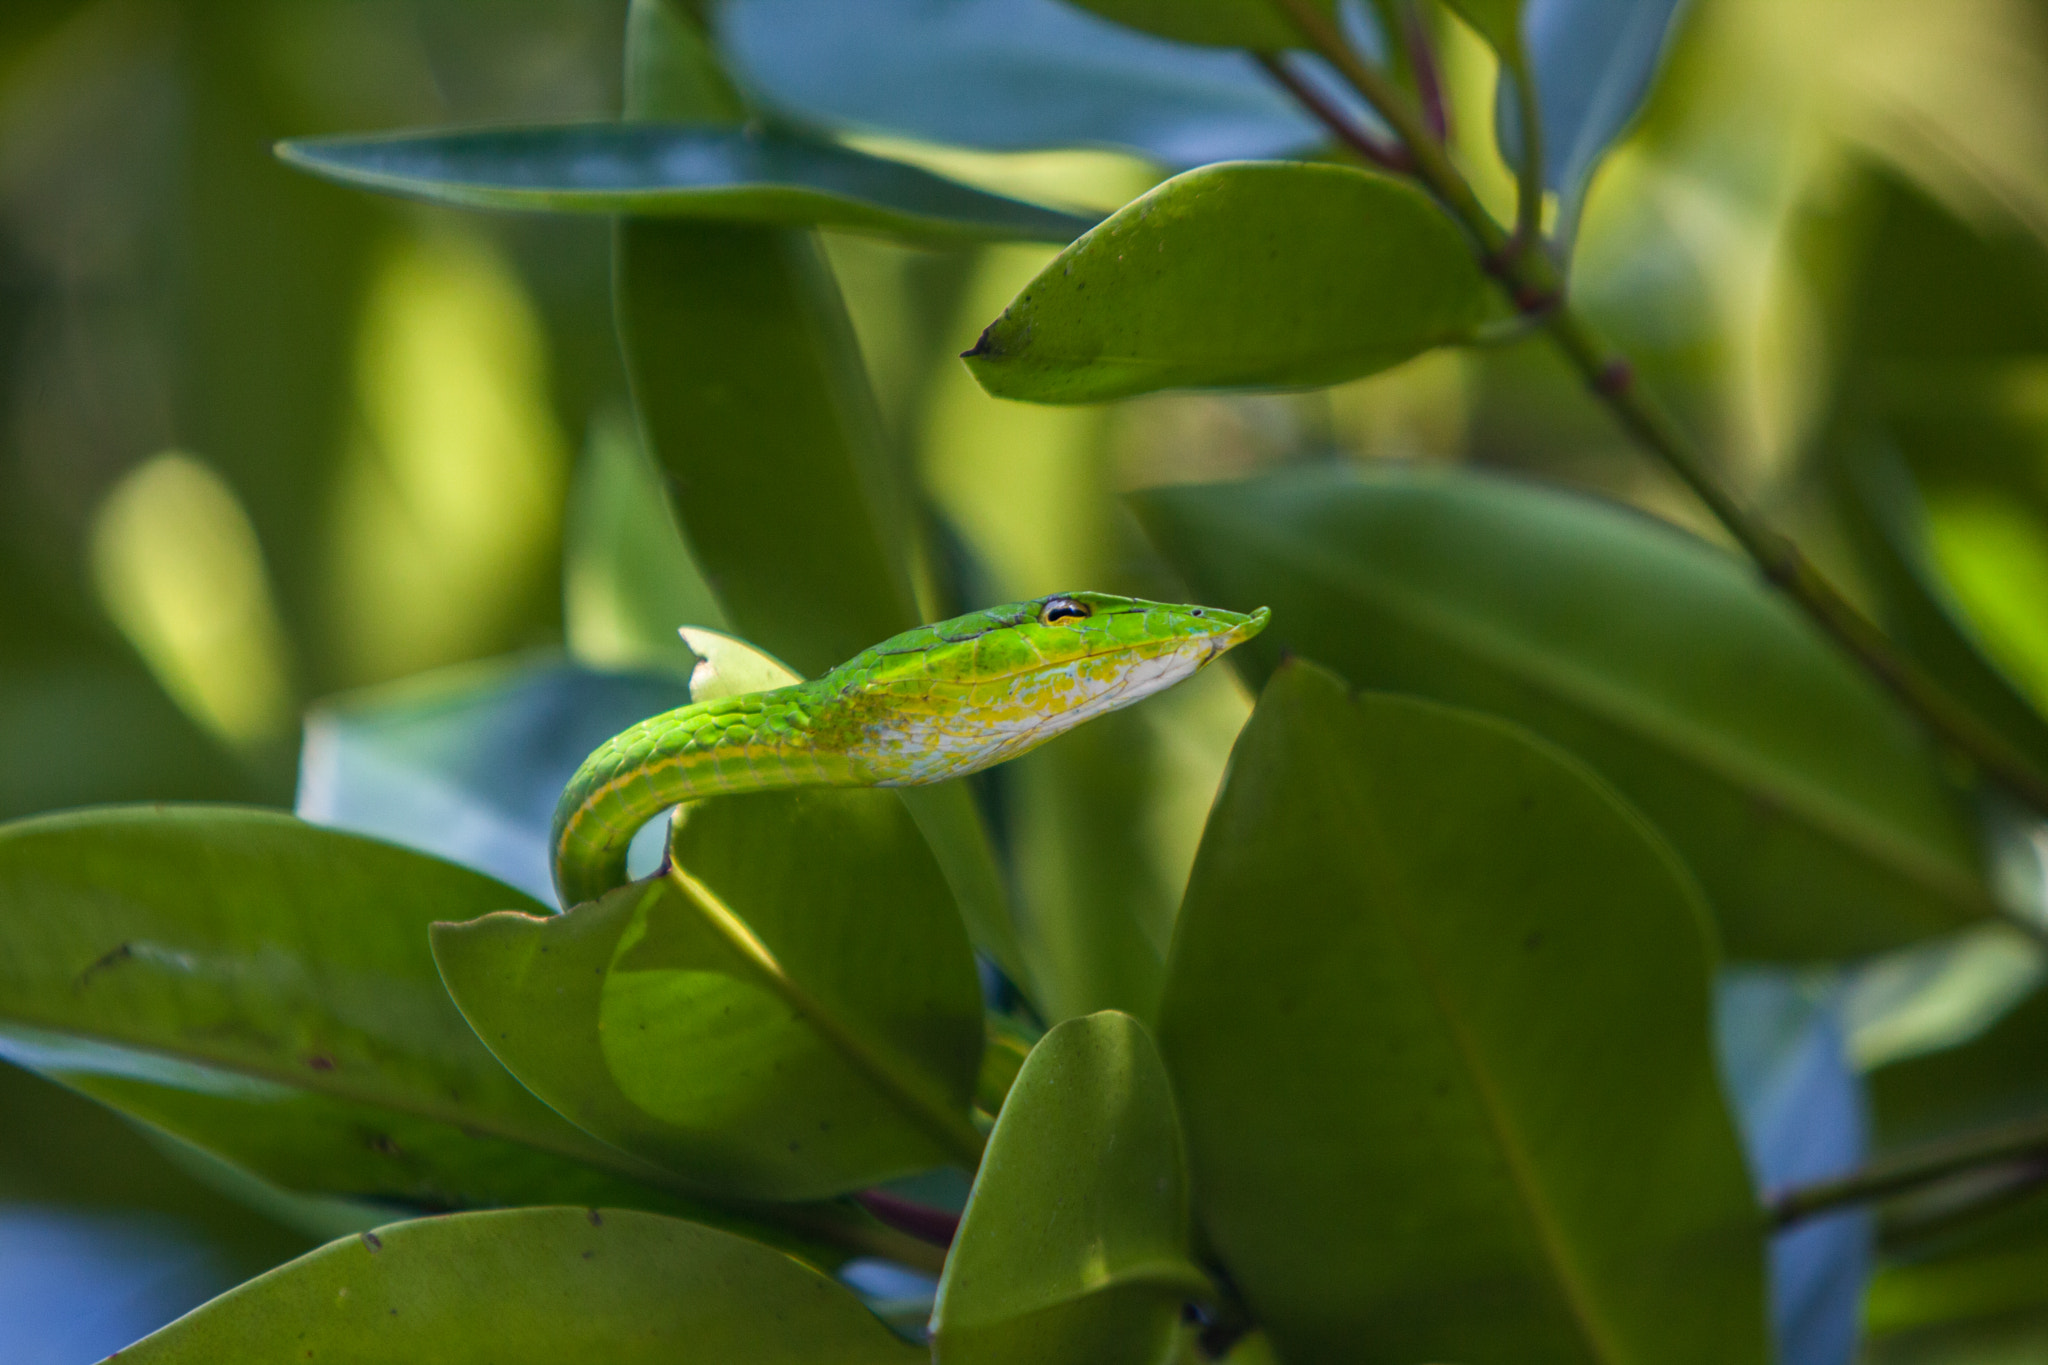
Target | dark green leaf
(1998,1076)
(838,1050)
(263,988)
(1249,274)
(1437,1016)
(1089,1130)
(1985,1278)
(1814,814)
(661,170)
(539,1285)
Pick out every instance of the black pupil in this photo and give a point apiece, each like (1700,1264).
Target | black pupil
(1060,608)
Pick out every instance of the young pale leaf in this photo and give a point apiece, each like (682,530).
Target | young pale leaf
(1816,816)
(1074,1246)
(1259,25)
(1593,62)
(1438,1018)
(813,1030)
(679,170)
(1011,75)
(263,988)
(535,1287)
(1248,274)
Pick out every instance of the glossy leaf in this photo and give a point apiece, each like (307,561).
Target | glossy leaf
(833,1057)
(750,392)
(467,764)
(1437,1015)
(1813,813)
(540,1285)
(660,170)
(1012,75)
(1074,1246)
(263,988)
(1253,274)
(1593,62)
(1784,1054)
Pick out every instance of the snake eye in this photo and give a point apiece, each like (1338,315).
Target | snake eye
(1061,608)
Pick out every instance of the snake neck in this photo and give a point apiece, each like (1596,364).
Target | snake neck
(763,741)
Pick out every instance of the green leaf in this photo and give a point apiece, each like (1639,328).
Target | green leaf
(750,392)
(1253,274)
(812,1027)
(541,1285)
(748,175)
(1986,1277)
(1260,25)
(1089,1130)
(263,988)
(1438,1018)
(1999,1076)
(1003,75)
(1814,814)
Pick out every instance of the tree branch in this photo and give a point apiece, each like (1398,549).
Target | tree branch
(1386,155)
(1533,282)
(2002,1145)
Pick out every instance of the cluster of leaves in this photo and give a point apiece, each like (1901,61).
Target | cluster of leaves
(1428,1070)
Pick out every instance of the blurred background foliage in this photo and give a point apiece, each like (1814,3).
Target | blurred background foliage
(264,440)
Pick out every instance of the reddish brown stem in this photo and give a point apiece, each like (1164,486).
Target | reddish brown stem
(1377,150)
(921,1221)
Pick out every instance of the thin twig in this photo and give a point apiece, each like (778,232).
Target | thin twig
(1529,173)
(937,1227)
(1429,82)
(1377,150)
(2008,1142)
(1533,281)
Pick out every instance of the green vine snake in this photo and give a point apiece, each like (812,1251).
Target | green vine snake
(936,702)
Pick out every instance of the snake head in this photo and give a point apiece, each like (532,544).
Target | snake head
(959,695)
